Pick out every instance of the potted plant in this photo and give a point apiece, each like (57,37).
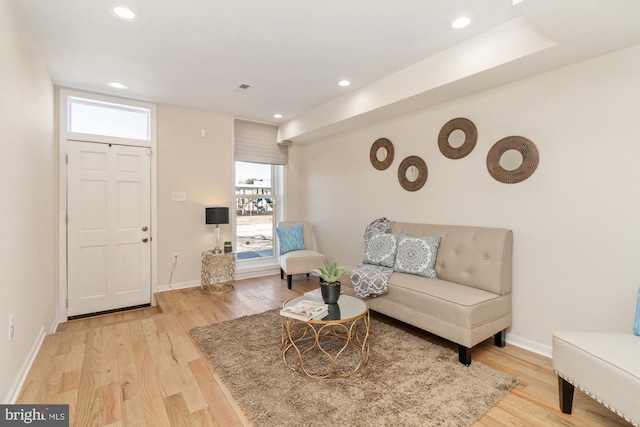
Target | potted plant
(227,247)
(329,283)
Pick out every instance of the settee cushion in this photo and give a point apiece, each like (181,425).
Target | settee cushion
(461,305)
(381,249)
(417,255)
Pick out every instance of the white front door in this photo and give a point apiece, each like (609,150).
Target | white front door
(109,253)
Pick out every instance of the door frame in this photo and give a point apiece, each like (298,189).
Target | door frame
(63,136)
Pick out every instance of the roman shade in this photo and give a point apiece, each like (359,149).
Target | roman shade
(257,143)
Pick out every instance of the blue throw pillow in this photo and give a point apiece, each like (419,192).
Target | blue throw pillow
(381,249)
(636,324)
(291,238)
(417,256)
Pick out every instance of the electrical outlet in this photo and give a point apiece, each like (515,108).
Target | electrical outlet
(11,329)
(176,255)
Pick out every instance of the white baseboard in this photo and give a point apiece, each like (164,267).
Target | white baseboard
(18,382)
(245,273)
(532,346)
(54,325)
(176,286)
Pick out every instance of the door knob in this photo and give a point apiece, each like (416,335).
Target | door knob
(145,240)
(145,228)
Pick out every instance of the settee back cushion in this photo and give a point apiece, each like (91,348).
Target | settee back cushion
(474,256)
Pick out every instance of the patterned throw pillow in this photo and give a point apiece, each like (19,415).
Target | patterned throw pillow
(291,238)
(380,225)
(381,249)
(417,256)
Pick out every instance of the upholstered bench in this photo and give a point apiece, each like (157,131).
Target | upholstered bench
(606,366)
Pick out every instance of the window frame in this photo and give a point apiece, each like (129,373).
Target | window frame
(65,108)
(278,175)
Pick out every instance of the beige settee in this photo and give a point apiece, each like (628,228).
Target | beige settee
(469,301)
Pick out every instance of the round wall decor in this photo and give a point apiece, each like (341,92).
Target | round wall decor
(530,159)
(387,149)
(421,176)
(470,133)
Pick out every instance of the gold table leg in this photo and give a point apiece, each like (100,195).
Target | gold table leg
(302,339)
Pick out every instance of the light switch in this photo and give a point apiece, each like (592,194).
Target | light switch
(179,196)
(203,133)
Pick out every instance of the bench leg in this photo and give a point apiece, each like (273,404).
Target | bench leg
(464,355)
(498,339)
(289,276)
(281,273)
(565,392)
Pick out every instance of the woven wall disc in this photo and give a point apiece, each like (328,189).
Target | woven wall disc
(422,173)
(387,145)
(470,133)
(530,159)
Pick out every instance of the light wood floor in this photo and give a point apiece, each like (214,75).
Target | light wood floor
(142,367)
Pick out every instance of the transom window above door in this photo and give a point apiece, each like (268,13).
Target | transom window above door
(88,116)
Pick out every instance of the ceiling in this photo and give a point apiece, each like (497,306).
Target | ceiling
(292,53)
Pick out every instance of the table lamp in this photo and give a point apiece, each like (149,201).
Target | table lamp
(217,216)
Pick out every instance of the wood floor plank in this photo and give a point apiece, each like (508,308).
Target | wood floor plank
(132,410)
(154,411)
(192,394)
(69,398)
(137,330)
(88,406)
(177,411)
(32,390)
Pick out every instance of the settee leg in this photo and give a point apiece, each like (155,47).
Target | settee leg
(289,276)
(281,273)
(565,392)
(464,355)
(498,339)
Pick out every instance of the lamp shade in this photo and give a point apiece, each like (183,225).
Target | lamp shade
(217,215)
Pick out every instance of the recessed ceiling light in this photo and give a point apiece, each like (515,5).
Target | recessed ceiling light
(460,22)
(344,83)
(124,13)
(277,116)
(117,85)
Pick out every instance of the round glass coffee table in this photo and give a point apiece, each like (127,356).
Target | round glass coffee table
(335,345)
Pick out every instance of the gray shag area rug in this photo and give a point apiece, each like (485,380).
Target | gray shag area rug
(408,381)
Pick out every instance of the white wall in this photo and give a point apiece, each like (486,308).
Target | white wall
(200,167)
(28,217)
(576,221)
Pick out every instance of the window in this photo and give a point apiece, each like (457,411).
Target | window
(260,169)
(255,209)
(108,119)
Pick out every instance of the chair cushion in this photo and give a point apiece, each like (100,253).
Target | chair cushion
(300,262)
(291,238)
